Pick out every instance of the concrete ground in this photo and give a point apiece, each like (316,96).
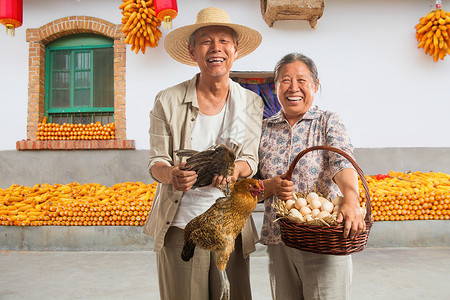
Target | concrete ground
(379,273)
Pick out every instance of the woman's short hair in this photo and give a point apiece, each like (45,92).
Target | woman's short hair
(293,57)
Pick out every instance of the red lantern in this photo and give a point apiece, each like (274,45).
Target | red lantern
(11,14)
(166,11)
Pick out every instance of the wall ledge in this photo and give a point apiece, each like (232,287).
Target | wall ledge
(76,145)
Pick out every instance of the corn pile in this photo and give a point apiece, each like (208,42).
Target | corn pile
(432,33)
(73,204)
(140,24)
(92,131)
(401,196)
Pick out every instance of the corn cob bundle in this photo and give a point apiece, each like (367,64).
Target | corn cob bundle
(140,24)
(432,33)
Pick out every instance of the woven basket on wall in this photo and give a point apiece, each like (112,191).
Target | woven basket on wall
(325,239)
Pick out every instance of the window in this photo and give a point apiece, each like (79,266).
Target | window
(80,80)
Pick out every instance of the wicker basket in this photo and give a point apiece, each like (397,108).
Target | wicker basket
(325,239)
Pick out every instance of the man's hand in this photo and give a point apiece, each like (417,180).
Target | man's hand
(181,179)
(241,170)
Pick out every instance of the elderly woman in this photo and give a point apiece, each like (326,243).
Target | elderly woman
(296,274)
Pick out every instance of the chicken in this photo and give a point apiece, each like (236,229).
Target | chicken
(217,228)
(216,160)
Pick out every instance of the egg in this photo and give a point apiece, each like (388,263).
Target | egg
(322,199)
(315,212)
(295,213)
(322,214)
(315,203)
(327,206)
(337,200)
(311,196)
(300,202)
(308,217)
(305,210)
(289,204)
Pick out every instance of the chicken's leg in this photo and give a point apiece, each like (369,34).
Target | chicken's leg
(225,294)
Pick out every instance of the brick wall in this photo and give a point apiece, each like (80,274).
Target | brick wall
(38,38)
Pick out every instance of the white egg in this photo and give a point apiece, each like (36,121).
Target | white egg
(290,204)
(322,214)
(336,208)
(315,212)
(337,200)
(295,213)
(305,210)
(311,196)
(322,199)
(308,217)
(327,206)
(315,203)
(300,202)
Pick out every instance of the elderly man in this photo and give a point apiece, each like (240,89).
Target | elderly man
(209,109)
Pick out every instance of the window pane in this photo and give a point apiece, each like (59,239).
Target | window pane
(82,61)
(61,80)
(82,79)
(61,60)
(82,98)
(61,98)
(104,77)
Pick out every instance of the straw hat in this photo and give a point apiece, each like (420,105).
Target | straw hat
(176,42)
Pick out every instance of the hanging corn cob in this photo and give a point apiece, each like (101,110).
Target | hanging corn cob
(432,33)
(140,24)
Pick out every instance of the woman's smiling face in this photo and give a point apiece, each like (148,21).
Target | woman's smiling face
(295,90)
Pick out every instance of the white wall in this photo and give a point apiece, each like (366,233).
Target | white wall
(389,93)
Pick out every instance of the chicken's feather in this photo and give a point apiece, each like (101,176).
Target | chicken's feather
(216,160)
(217,228)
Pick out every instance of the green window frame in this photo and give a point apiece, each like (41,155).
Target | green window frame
(80,80)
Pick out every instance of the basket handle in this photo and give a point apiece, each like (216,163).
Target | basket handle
(288,174)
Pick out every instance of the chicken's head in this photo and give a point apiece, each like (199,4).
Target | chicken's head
(254,186)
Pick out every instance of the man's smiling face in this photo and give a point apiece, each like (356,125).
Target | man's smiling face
(214,50)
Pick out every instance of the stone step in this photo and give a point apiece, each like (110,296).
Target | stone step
(130,238)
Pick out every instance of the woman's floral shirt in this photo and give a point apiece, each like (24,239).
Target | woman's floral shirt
(279,145)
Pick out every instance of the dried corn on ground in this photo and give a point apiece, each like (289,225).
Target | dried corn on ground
(90,204)
(401,196)
(396,196)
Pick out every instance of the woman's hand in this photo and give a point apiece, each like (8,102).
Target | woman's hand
(354,220)
(350,212)
(279,187)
